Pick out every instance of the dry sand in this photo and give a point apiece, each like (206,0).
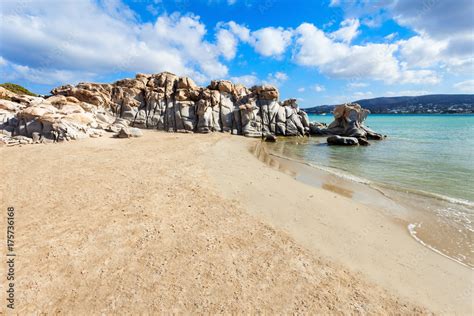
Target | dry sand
(195,223)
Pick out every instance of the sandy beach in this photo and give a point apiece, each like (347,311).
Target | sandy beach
(193,223)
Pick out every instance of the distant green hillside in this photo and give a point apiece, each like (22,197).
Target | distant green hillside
(434,103)
(16,88)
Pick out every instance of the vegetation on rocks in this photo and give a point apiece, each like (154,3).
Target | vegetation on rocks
(15,88)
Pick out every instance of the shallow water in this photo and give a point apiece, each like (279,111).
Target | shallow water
(425,164)
(432,153)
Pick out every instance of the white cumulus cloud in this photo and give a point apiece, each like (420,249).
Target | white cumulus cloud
(276,78)
(246,80)
(391,36)
(268,41)
(362,95)
(348,31)
(444,30)
(227,43)
(242,32)
(352,85)
(271,41)
(410,93)
(465,86)
(375,61)
(421,51)
(319,88)
(105,38)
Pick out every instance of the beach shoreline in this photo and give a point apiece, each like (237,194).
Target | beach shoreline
(413,209)
(195,223)
(361,230)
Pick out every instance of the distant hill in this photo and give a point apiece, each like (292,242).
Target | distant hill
(15,88)
(433,103)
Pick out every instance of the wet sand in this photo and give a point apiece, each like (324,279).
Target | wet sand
(195,223)
(449,233)
(351,224)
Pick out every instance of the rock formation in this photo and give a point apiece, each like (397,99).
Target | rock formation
(167,102)
(161,101)
(27,119)
(170,103)
(348,124)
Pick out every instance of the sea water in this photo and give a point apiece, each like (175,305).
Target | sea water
(426,163)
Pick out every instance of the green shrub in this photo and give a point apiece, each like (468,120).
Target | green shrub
(16,88)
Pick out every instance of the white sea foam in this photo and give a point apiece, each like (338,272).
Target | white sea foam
(450,199)
(412,229)
(341,174)
(456,211)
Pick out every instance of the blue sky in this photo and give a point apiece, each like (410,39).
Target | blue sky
(318,52)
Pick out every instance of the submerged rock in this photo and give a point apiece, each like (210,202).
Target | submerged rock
(342,141)
(270,138)
(363,141)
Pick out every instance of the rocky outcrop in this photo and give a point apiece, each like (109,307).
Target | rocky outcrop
(161,101)
(34,119)
(342,140)
(170,103)
(349,123)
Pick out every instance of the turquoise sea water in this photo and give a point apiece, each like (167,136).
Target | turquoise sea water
(429,153)
(426,163)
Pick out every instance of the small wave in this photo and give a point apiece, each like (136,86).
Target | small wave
(433,195)
(380,186)
(340,173)
(450,199)
(412,230)
(337,172)
(387,190)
